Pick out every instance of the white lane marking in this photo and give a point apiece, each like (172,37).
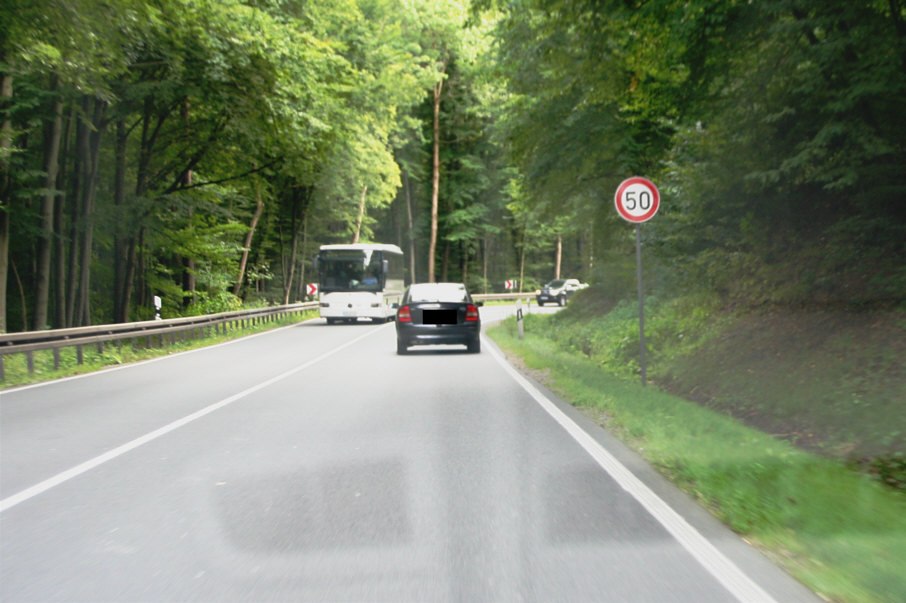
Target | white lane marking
(60,478)
(725,571)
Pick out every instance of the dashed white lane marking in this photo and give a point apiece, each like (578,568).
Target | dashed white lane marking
(65,476)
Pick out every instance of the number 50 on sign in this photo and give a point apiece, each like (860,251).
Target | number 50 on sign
(637,199)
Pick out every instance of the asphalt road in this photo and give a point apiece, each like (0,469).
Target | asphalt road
(312,463)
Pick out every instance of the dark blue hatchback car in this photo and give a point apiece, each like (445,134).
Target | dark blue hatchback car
(437,313)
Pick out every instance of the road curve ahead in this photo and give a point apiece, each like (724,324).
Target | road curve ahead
(313,463)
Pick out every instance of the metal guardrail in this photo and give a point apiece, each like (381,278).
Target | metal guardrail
(502,296)
(29,342)
(166,331)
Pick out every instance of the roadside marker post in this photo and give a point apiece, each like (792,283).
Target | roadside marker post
(519,322)
(637,200)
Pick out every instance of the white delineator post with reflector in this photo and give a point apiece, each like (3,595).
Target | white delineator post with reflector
(637,200)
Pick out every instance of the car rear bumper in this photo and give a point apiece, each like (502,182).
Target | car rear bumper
(411,335)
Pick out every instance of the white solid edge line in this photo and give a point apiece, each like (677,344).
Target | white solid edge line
(60,478)
(716,563)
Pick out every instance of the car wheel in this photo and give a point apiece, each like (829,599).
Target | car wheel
(540,303)
(561,300)
(474,346)
(401,347)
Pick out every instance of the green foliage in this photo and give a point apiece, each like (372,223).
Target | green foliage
(607,330)
(765,125)
(773,129)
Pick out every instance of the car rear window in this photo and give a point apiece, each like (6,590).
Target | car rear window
(438,292)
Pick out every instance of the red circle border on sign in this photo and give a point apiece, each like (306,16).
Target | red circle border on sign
(656,203)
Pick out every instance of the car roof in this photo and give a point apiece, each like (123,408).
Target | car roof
(363,247)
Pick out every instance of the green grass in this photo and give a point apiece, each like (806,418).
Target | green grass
(839,531)
(16,369)
(831,381)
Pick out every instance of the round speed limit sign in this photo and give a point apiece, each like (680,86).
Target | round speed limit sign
(637,199)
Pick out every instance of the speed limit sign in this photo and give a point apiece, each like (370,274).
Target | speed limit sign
(637,199)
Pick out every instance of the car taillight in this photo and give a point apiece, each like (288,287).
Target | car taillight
(403,315)
(471,313)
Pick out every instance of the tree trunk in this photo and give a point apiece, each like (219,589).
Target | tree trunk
(134,255)
(522,256)
(53,135)
(559,256)
(445,266)
(22,303)
(411,228)
(189,282)
(6,143)
(243,262)
(485,251)
(92,152)
(125,237)
(120,239)
(299,209)
(59,244)
(435,176)
(302,259)
(358,223)
(75,203)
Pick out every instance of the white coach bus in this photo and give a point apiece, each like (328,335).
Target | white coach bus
(362,280)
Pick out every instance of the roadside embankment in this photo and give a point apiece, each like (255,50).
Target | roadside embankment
(772,421)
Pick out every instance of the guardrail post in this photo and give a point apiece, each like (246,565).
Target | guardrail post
(56,359)
(100,347)
(80,357)
(2,369)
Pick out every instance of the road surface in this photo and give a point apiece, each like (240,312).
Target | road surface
(313,463)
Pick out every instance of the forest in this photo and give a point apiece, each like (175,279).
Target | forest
(202,150)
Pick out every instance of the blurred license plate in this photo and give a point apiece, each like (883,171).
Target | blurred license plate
(439,317)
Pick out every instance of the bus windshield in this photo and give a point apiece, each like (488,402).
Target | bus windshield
(350,270)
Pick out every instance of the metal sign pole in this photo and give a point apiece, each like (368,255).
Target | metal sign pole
(637,200)
(638,259)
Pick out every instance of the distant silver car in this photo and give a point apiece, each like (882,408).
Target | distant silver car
(438,313)
(558,291)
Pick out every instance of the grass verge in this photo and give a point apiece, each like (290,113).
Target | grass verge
(840,532)
(134,351)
